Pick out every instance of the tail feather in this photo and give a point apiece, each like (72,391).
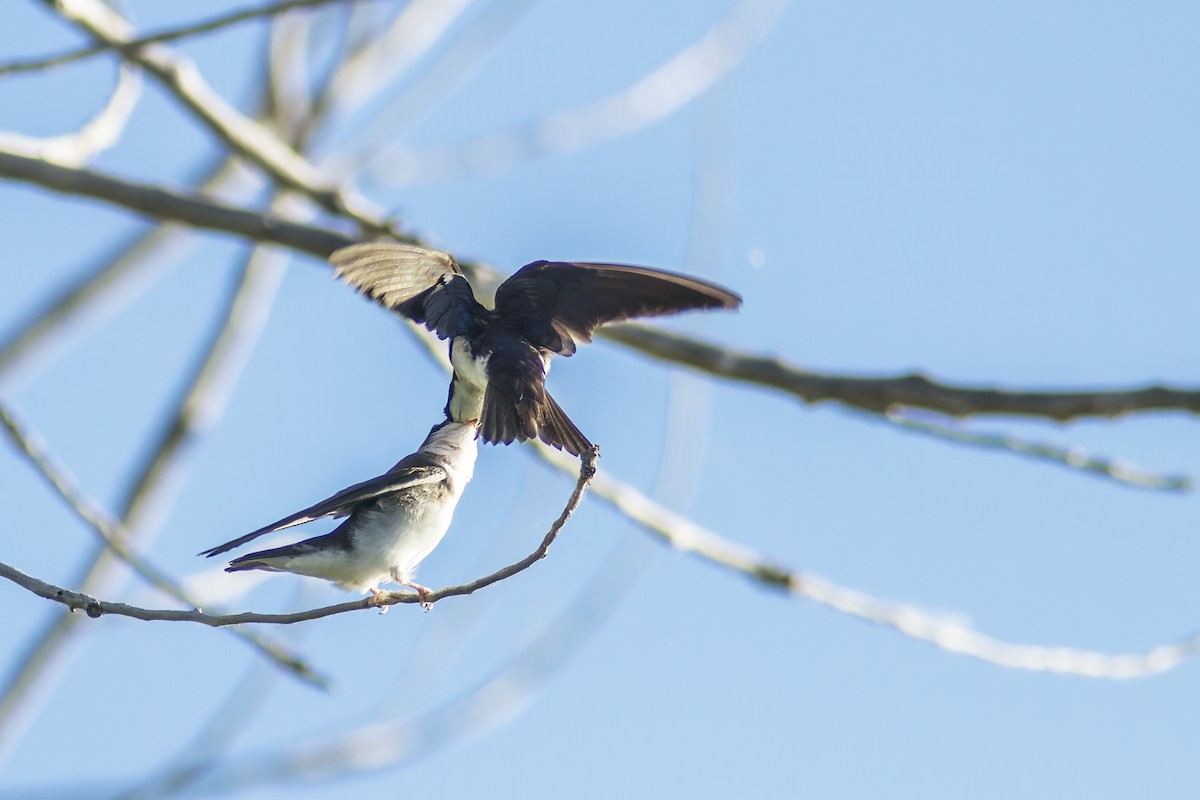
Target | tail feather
(556,429)
(503,422)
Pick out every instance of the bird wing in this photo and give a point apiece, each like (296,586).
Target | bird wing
(344,502)
(556,305)
(424,285)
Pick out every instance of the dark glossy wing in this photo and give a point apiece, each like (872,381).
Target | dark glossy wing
(345,501)
(424,285)
(557,305)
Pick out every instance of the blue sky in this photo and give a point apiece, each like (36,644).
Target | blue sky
(992,193)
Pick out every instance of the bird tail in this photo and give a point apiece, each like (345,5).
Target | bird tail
(503,421)
(557,430)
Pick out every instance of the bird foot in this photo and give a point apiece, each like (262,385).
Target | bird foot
(375,595)
(422,594)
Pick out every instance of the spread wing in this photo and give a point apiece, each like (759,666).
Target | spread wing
(345,501)
(556,305)
(424,285)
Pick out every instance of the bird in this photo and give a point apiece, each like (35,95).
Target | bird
(393,521)
(500,356)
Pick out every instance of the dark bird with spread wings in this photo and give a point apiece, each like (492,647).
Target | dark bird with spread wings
(394,522)
(500,356)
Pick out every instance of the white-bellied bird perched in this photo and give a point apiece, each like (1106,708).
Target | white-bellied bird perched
(500,356)
(394,521)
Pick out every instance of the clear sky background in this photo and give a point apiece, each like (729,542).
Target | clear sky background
(992,193)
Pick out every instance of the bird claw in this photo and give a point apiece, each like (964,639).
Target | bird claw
(422,594)
(375,595)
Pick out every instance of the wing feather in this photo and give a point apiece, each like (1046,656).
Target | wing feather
(556,305)
(345,501)
(426,286)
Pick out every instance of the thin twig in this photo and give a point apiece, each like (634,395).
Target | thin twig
(487,705)
(116,537)
(114,281)
(94,136)
(165,35)
(655,95)
(1075,458)
(878,394)
(257,143)
(79,601)
(950,635)
(197,410)
(189,208)
(875,394)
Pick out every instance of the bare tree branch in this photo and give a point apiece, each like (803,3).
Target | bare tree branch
(946,634)
(878,395)
(953,636)
(498,698)
(79,601)
(116,538)
(113,282)
(187,208)
(197,410)
(255,142)
(1116,470)
(167,35)
(654,96)
(96,135)
(384,58)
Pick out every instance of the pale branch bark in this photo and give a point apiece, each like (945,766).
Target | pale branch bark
(382,59)
(114,280)
(165,35)
(950,635)
(250,139)
(684,535)
(1074,458)
(487,705)
(94,608)
(878,395)
(874,394)
(197,409)
(94,136)
(394,742)
(655,95)
(116,539)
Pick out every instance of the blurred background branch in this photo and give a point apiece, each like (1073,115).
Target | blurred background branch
(349,94)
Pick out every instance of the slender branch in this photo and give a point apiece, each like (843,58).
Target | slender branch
(188,208)
(872,394)
(878,395)
(257,143)
(198,408)
(96,135)
(114,281)
(655,95)
(383,59)
(682,534)
(116,537)
(79,601)
(950,635)
(485,706)
(1116,470)
(165,35)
